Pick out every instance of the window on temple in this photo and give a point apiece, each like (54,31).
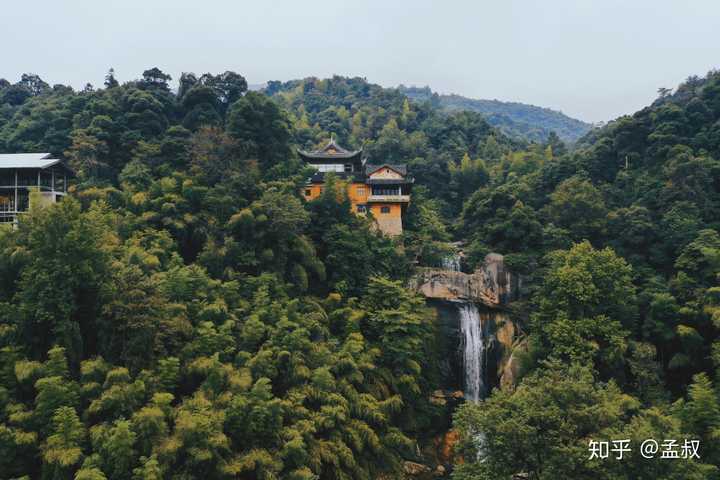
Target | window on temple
(308,192)
(331,168)
(386,191)
(361,208)
(361,191)
(384,209)
(348,167)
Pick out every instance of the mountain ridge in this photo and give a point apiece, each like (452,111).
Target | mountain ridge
(515,119)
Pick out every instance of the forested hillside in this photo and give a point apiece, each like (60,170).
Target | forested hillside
(517,120)
(185,313)
(620,242)
(436,147)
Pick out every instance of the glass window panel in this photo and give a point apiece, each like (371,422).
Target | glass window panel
(27,178)
(46,179)
(7,178)
(23,200)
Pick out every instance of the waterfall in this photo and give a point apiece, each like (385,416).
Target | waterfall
(473,345)
(451,262)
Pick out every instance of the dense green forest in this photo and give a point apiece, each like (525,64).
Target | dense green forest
(517,120)
(186,314)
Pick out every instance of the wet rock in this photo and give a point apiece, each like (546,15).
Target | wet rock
(414,469)
(438,398)
(509,372)
(457,394)
(445,447)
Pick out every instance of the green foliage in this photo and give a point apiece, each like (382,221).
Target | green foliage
(513,119)
(425,231)
(260,127)
(577,206)
(586,307)
(544,428)
(63,448)
(231,370)
(391,129)
(185,314)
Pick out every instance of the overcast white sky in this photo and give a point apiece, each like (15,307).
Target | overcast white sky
(592,59)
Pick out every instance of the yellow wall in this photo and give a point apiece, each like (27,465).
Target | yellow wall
(358,193)
(395,210)
(311,192)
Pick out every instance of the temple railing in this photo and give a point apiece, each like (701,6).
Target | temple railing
(389,198)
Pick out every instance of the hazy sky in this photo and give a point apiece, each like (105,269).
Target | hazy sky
(592,59)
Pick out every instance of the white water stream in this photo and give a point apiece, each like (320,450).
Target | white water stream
(473,346)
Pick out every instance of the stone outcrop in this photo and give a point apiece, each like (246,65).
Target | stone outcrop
(414,469)
(491,284)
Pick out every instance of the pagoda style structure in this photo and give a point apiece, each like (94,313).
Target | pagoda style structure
(379,189)
(22,173)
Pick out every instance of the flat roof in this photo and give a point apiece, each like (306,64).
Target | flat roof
(27,160)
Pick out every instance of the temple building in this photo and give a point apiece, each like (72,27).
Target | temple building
(381,189)
(21,173)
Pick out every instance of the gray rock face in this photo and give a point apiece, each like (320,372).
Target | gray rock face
(491,284)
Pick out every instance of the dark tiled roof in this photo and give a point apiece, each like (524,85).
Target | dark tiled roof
(330,151)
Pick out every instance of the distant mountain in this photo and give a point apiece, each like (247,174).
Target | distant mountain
(518,120)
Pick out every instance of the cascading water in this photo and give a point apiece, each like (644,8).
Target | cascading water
(451,262)
(473,346)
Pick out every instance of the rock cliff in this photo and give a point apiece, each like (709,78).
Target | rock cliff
(492,287)
(491,284)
